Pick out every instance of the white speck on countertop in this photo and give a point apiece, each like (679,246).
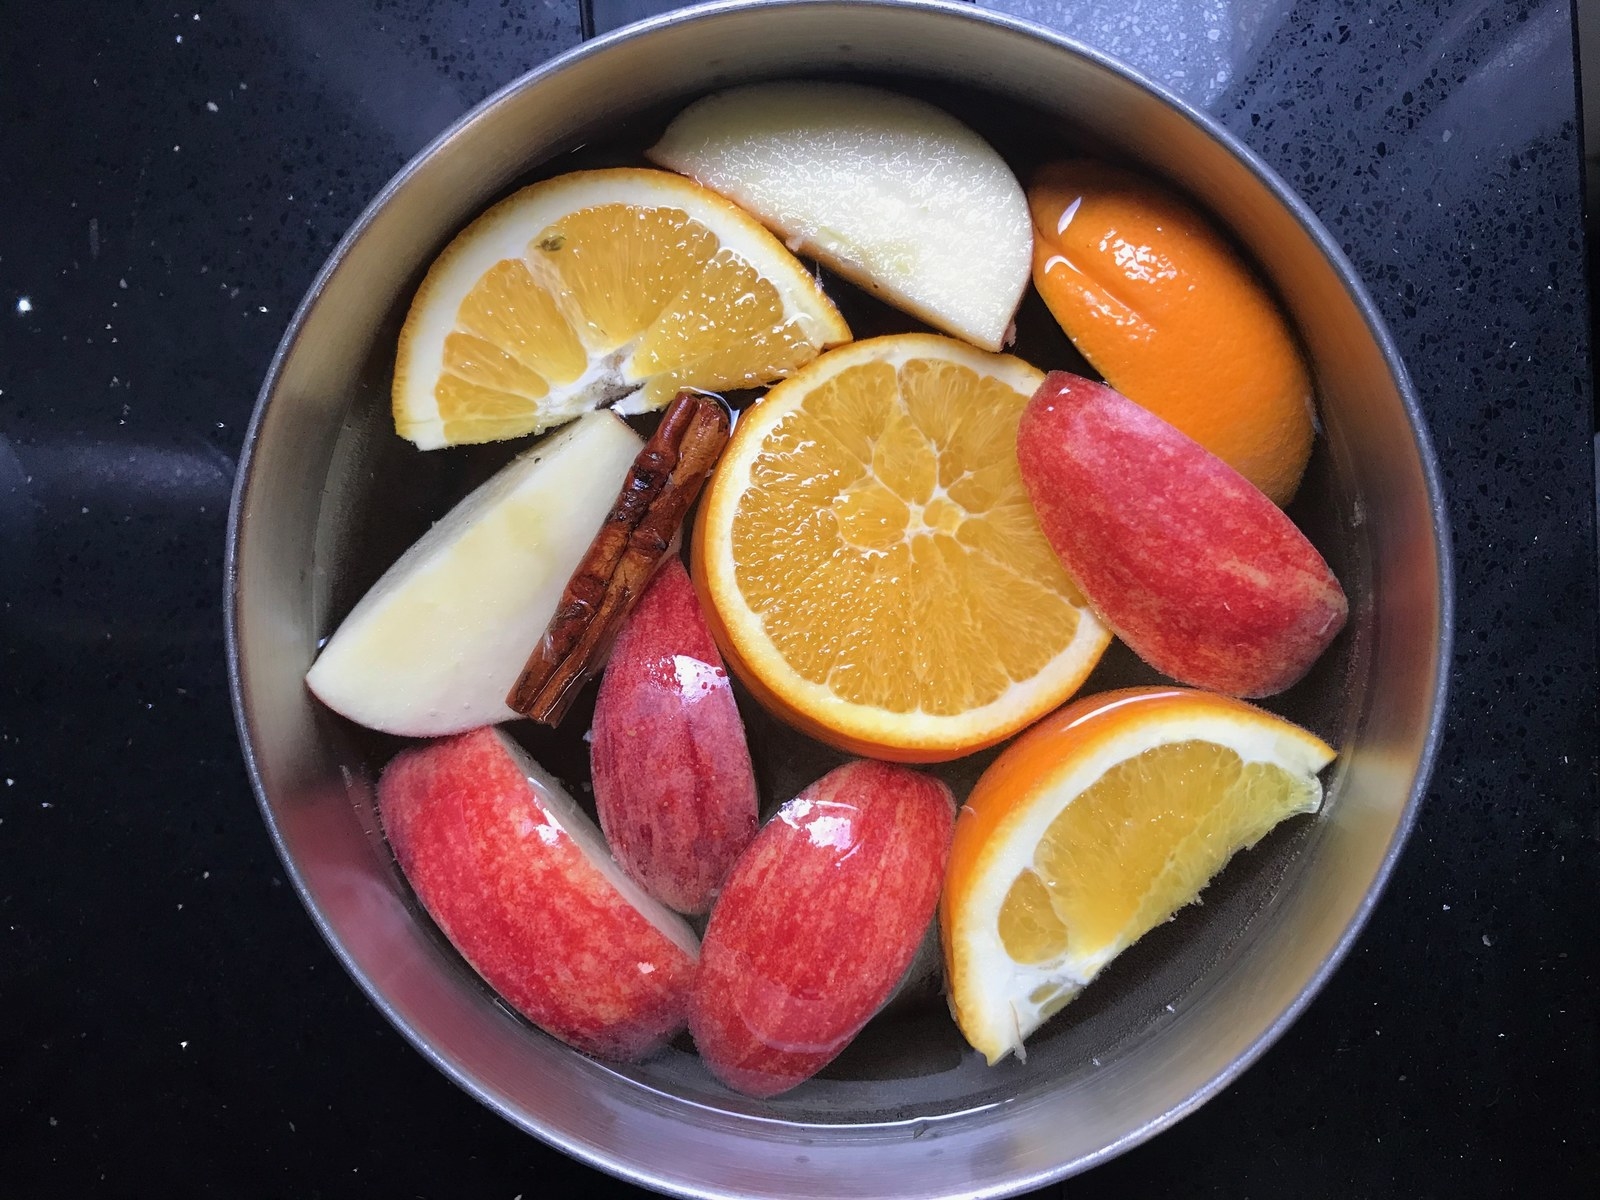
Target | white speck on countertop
(178,39)
(1486,940)
(1446,908)
(183,1045)
(45,804)
(24,306)
(10,782)
(211,106)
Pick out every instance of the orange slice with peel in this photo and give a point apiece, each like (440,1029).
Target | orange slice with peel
(1153,295)
(593,287)
(871,565)
(1096,826)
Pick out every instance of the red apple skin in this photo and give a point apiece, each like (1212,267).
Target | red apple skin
(524,904)
(1195,569)
(817,923)
(672,778)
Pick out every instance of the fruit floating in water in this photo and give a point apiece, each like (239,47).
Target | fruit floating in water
(901,554)
(1094,827)
(817,923)
(1158,301)
(872,566)
(436,643)
(673,783)
(592,287)
(893,193)
(1194,568)
(519,879)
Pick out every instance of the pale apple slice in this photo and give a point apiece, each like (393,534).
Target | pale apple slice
(894,194)
(437,643)
(518,877)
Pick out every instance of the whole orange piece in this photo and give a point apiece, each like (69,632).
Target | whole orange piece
(1152,294)
(869,561)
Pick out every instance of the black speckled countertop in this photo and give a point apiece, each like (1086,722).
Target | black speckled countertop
(170,1022)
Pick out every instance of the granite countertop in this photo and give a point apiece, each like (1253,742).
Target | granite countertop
(170,1022)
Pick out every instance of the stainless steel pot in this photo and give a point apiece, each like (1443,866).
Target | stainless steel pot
(911,1114)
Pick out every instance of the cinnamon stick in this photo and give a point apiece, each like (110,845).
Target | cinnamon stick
(662,483)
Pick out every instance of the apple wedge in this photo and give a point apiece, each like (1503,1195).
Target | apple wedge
(818,922)
(1189,563)
(437,642)
(673,784)
(518,878)
(893,193)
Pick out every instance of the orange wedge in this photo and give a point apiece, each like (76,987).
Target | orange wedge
(1155,297)
(1096,826)
(595,287)
(871,565)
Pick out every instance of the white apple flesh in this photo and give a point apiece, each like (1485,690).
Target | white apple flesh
(894,194)
(438,641)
